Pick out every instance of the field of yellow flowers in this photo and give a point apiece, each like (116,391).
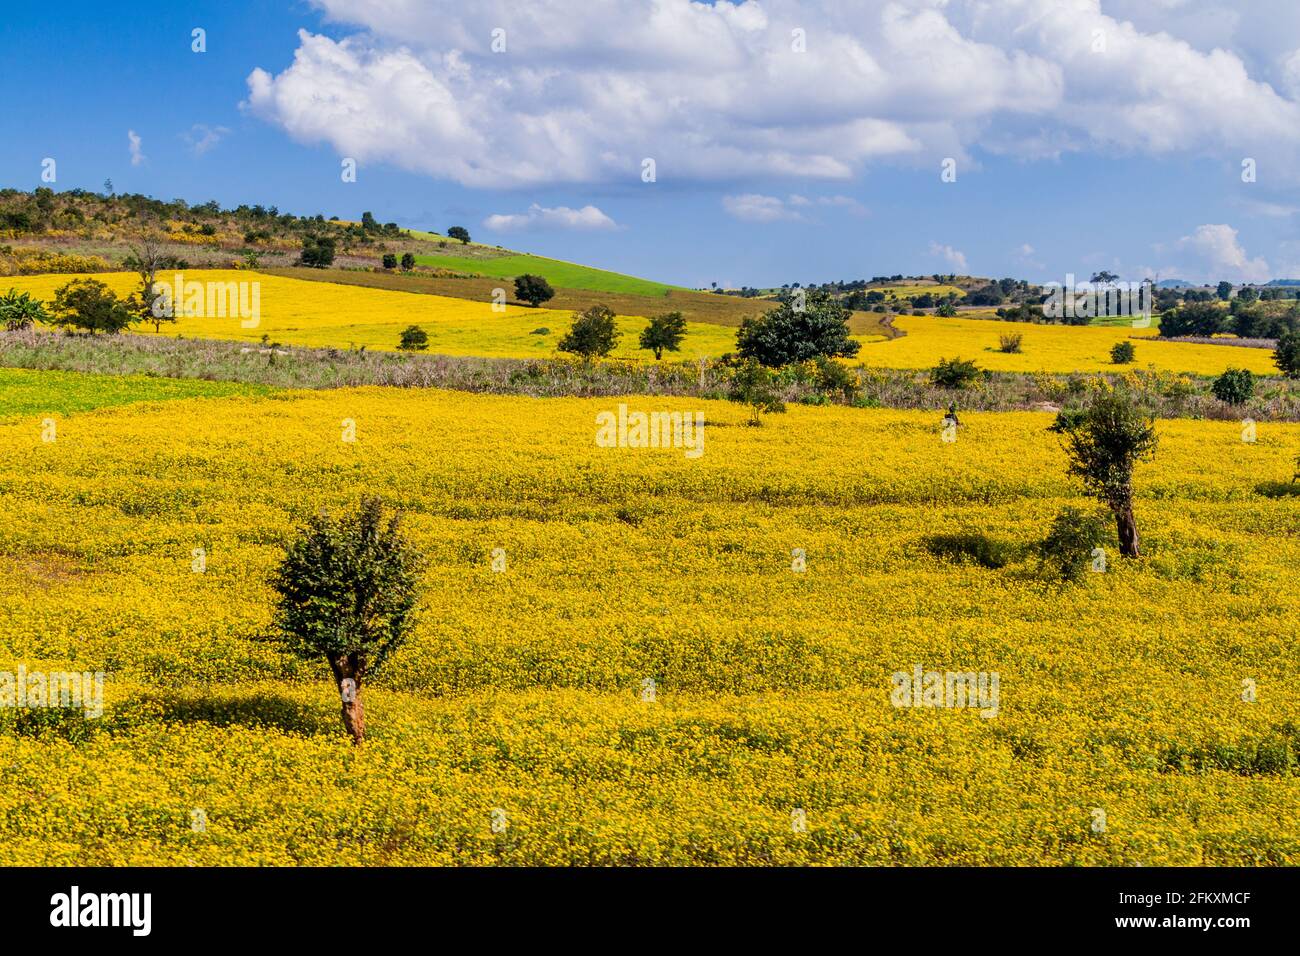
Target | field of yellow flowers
(331,315)
(630,655)
(321,314)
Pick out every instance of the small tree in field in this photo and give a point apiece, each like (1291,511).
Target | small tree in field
(408,261)
(533,289)
(390,260)
(1104,441)
(805,326)
(150,305)
(1287,354)
(458,232)
(665,332)
(1122,353)
(90,305)
(414,339)
(753,385)
(592,334)
(347,589)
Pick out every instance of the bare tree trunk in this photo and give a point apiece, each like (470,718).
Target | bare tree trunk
(1126,526)
(347,675)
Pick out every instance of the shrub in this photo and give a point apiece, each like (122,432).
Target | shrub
(1067,551)
(347,589)
(408,261)
(754,385)
(1235,386)
(833,378)
(1122,353)
(1287,354)
(788,335)
(541,331)
(954,373)
(1010,342)
(19,310)
(592,334)
(390,260)
(90,305)
(414,339)
(317,251)
(533,289)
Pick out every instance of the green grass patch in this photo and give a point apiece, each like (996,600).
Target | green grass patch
(556,272)
(38,392)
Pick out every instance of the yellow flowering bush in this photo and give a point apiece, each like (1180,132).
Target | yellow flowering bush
(627,655)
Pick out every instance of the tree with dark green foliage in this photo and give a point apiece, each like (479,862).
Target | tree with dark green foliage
(459,232)
(664,333)
(317,251)
(347,589)
(390,260)
(1193,318)
(1224,290)
(593,333)
(1066,552)
(408,261)
(90,305)
(1235,386)
(790,334)
(533,289)
(1122,353)
(20,310)
(753,384)
(1103,442)
(946,310)
(414,339)
(1286,356)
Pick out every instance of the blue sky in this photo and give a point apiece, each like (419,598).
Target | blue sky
(773,164)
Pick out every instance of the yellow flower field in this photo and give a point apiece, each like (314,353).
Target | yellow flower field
(298,312)
(1122,735)
(1052,348)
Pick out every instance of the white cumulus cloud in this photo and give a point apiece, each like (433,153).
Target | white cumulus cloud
(557,217)
(954,257)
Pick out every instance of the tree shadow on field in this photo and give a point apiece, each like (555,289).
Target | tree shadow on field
(257,709)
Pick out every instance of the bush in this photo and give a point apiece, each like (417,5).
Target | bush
(754,385)
(390,260)
(1010,342)
(317,251)
(1122,353)
(832,378)
(974,546)
(592,334)
(347,589)
(954,373)
(1066,552)
(542,331)
(1193,318)
(414,339)
(1235,386)
(1287,354)
(408,261)
(19,310)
